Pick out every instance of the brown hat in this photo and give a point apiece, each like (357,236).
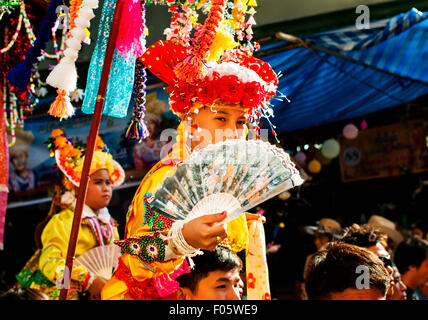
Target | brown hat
(386,226)
(326,225)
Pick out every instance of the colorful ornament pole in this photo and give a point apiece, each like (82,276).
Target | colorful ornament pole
(93,133)
(4,169)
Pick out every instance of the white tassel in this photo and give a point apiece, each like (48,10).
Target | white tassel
(78,33)
(93,4)
(86,13)
(64,75)
(81,23)
(74,44)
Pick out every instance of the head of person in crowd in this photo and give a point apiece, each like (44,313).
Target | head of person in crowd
(325,231)
(216,276)
(420,229)
(369,237)
(387,227)
(15,294)
(411,258)
(346,272)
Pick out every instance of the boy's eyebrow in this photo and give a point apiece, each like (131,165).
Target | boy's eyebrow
(227,113)
(223,280)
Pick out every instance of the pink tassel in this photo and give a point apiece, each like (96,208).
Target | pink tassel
(130,39)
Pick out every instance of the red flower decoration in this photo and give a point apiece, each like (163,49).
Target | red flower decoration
(253,94)
(229,89)
(251,281)
(206,92)
(266,296)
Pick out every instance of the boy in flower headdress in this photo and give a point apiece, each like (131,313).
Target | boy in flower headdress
(221,95)
(45,269)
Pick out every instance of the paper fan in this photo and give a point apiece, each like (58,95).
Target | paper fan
(101,261)
(235,175)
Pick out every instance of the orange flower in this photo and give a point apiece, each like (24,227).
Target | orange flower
(60,142)
(75,153)
(56,133)
(266,296)
(67,150)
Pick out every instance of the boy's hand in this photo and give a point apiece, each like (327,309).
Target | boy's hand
(205,232)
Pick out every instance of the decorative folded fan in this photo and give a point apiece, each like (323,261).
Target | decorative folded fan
(101,261)
(232,176)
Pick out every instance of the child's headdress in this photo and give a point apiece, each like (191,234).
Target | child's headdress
(70,156)
(213,67)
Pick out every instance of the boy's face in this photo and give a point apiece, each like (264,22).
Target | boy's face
(99,190)
(219,124)
(218,285)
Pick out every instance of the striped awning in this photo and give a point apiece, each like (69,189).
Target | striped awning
(348,73)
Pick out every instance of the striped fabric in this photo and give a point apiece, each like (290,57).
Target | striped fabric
(390,67)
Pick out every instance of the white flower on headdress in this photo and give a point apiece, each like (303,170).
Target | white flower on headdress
(68,198)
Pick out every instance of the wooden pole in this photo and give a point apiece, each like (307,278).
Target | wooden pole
(93,133)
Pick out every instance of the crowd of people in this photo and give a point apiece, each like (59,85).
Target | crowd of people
(371,261)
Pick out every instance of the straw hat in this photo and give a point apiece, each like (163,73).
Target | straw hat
(386,226)
(326,225)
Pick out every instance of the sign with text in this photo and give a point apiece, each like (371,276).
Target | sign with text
(386,151)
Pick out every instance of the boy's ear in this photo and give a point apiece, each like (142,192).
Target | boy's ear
(183,294)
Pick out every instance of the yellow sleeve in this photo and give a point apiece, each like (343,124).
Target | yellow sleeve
(137,226)
(55,238)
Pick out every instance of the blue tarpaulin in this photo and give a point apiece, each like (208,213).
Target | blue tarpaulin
(350,72)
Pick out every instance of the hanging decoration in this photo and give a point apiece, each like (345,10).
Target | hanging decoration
(314,166)
(122,72)
(300,158)
(330,148)
(64,75)
(20,75)
(138,127)
(350,131)
(14,107)
(4,169)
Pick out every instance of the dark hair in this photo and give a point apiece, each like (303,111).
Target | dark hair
(219,259)
(411,252)
(15,294)
(362,235)
(334,270)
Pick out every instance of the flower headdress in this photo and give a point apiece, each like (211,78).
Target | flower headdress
(213,67)
(69,158)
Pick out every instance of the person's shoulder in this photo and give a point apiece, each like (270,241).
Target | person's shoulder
(64,215)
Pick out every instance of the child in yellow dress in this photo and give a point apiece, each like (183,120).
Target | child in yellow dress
(155,248)
(45,269)
(216,87)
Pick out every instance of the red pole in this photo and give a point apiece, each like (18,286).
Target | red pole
(93,133)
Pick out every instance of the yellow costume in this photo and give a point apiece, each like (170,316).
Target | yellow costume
(148,266)
(45,269)
(135,276)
